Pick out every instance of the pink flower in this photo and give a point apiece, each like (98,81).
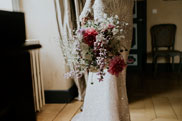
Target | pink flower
(111,26)
(116,65)
(82,31)
(89,36)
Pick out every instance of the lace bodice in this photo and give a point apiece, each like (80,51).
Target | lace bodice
(106,6)
(122,8)
(98,7)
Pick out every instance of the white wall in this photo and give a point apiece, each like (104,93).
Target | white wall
(6,5)
(41,25)
(167,12)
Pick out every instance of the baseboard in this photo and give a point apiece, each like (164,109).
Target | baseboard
(66,96)
(162,67)
(61,96)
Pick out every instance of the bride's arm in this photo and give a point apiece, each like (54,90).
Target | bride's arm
(87,9)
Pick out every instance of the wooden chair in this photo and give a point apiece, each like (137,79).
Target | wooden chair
(163,36)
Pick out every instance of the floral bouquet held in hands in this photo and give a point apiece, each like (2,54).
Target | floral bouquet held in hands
(97,46)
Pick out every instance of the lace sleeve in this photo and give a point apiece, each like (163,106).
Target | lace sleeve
(87,9)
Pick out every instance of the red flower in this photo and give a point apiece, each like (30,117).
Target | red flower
(111,26)
(89,36)
(116,65)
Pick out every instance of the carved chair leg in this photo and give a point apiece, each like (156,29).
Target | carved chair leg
(168,63)
(180,63)
(155,65)
(173,63)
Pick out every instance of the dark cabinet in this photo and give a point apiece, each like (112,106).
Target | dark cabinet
(137,57)
(16,92)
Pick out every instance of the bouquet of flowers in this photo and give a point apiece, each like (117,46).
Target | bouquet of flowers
(97,46)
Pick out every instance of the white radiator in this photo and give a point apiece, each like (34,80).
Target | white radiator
(38,87)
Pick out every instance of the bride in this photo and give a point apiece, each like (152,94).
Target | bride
(107,100)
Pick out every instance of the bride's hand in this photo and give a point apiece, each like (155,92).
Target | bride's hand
(85,19)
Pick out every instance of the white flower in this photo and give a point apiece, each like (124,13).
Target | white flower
(105,15)
(117,22)
(96,22)
(116,16)
(101,20)
(110,19)
(89,23)
(115,31)
(80,36)
(99,38)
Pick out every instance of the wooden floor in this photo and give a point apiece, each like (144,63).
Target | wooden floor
(158,99)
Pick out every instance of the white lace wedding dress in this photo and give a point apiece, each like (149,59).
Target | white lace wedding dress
(107,100)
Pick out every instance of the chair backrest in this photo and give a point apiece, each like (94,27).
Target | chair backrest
(163,35)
